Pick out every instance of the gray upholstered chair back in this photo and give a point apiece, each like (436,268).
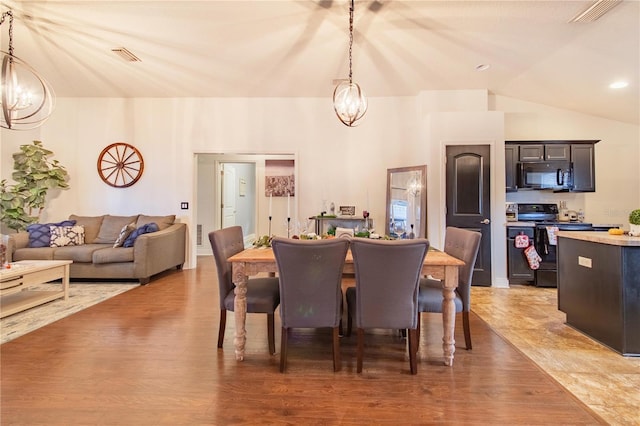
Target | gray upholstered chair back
(310,274)
(225,243)
(463,244)
(387,277)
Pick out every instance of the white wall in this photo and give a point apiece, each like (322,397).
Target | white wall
(333,162)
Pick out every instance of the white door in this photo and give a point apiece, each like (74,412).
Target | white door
(228,177)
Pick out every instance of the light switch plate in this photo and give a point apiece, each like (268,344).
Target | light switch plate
(184,205)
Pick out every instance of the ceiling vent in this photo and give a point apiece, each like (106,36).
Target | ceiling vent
(596,10)
(126,54)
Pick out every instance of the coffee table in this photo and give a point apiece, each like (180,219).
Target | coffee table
(14,282)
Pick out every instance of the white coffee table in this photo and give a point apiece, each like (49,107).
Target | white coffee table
(14,296)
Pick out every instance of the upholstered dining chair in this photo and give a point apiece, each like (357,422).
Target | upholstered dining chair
(463,244)
(310,287)
(386,292)
(263,294)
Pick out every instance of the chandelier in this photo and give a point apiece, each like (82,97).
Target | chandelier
(349,101)
(25,97)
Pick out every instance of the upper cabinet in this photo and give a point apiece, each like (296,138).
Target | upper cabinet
(511,166)
(581,154)
(531,153)
(557,152)
(584,167)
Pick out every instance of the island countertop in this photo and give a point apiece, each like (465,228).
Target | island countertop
(601,237)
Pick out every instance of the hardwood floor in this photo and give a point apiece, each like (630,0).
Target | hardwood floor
(149,357)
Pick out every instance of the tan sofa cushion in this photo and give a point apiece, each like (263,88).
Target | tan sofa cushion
(111,227)
(113,255)
(163,222)
(91,226)
(79,254)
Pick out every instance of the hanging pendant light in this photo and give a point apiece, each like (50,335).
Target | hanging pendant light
(349,100)
(25,97)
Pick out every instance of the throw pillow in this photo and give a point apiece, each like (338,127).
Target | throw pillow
(144,229)
(124,233)
(67,236)
(40,233)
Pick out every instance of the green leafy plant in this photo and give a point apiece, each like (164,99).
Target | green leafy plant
(263,241)
(634,217)
(34,174)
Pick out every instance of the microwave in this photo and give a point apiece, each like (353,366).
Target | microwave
(555,175)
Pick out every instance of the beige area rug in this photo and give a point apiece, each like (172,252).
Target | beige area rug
(81,296)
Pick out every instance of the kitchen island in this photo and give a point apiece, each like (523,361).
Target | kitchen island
(599,287)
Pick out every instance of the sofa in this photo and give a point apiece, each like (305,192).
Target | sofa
(105,247)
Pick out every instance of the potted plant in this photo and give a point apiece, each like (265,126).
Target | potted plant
(634,223)
(34,175)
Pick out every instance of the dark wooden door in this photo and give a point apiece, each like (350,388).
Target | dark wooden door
(468,200)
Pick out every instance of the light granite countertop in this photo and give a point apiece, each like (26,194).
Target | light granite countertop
(601,237)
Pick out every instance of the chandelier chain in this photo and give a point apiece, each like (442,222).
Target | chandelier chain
(10,15)
(350,41)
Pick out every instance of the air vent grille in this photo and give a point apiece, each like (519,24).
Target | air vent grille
(596,10)
(126,54)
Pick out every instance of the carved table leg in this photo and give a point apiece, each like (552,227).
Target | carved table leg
(240,308)
(449,313)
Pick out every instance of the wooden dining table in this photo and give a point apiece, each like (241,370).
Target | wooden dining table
(253,261)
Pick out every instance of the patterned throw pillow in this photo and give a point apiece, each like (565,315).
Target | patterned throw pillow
(40,234)
(144,229)
(124,233)
(67,236)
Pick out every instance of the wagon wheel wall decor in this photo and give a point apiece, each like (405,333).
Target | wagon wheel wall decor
(120,165)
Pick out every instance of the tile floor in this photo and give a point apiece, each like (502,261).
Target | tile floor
(527,316)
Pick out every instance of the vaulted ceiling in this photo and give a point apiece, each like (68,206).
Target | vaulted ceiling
(285,48)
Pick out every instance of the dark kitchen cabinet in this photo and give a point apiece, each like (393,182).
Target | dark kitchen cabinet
(584,174)
(518,266)
(598,290)
(557,152)
(531,152)
(511,167)
(581,153)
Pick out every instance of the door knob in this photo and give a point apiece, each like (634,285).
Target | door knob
(485,222)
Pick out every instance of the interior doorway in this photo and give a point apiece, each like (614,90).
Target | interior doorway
(230,190)
(229,194)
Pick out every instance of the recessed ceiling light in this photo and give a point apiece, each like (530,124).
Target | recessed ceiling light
(618,85)
(482,67)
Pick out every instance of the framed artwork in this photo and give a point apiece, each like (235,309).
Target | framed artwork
(347,210)
(279,178)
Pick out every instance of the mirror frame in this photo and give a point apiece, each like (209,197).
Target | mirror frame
(422,202)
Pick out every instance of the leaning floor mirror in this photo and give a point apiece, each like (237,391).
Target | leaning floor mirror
(407,202)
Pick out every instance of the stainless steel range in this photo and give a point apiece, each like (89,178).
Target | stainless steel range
(544,220)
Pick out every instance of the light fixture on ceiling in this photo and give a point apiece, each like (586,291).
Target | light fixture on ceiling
(597,9)
(126,54)
(27,99)
(618,85)
(349,100)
